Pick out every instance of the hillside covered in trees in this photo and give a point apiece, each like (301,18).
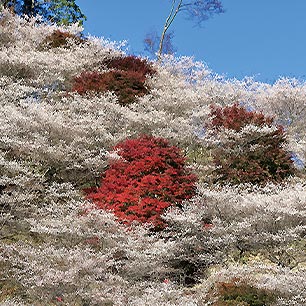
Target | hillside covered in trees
(125,182)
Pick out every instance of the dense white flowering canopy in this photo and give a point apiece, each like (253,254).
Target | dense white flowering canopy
(56,247)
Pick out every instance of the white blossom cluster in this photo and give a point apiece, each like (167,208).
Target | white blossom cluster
(58,249)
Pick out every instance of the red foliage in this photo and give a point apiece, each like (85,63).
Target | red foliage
(60,39)
(236,117)
(131,63)
(262,159)
(125,84)
(127,79)
(150,177)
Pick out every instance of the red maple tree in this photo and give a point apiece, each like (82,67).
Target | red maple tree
(150,176)
(262,158)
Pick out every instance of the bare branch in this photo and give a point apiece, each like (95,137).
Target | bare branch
(167,24)
(200,10)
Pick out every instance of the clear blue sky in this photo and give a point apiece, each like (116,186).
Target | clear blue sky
(261,38)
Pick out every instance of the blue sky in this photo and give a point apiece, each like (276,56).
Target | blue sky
(265,39)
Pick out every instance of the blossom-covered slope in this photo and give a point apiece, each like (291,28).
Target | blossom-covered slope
(230,244)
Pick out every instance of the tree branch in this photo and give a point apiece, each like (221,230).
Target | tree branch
(167,24)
